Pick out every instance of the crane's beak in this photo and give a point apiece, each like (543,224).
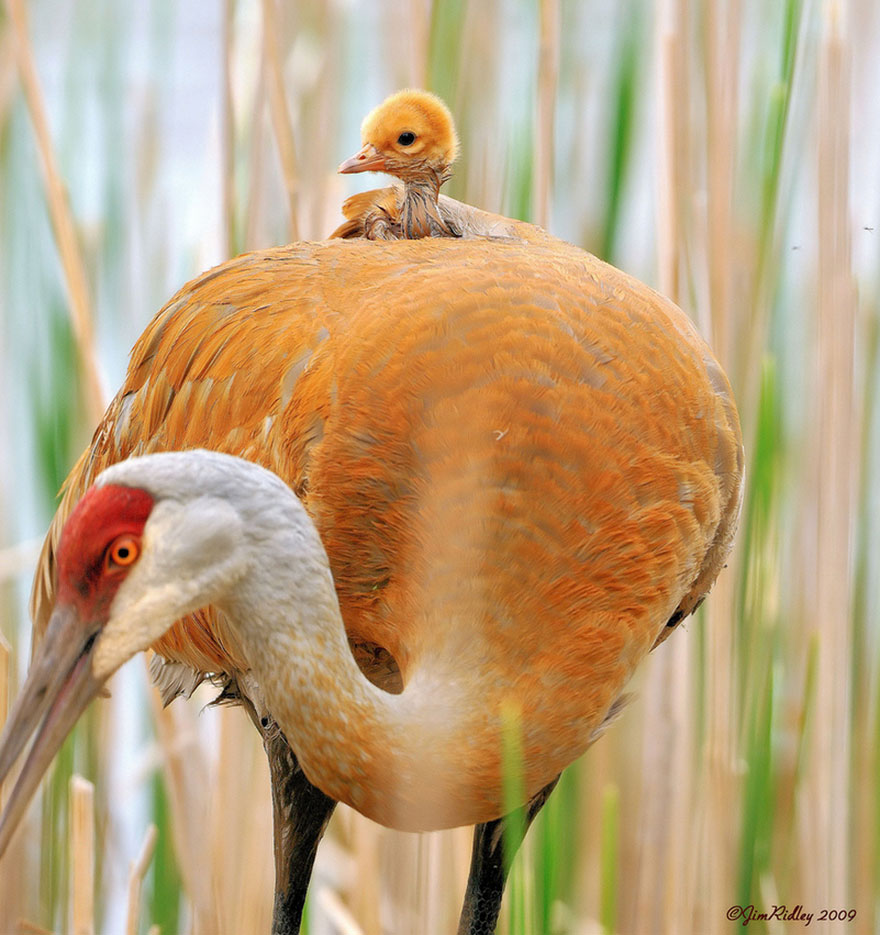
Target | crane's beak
(367,159)
(58,687)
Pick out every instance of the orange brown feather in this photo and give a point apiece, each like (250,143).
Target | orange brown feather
(503,435)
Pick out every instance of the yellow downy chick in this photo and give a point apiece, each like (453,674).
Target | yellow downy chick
(411,136)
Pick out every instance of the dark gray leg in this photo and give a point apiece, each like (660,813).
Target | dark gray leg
(488,874)
(300,814)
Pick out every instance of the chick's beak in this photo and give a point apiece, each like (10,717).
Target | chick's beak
(366,159)
(58,687)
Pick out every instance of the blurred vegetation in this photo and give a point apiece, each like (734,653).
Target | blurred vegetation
(692,149)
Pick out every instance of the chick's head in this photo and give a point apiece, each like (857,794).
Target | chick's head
(408,135)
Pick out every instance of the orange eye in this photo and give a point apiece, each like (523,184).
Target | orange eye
(123,551)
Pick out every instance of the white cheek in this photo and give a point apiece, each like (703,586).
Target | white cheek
(140,613)
(190,555)
(110,652)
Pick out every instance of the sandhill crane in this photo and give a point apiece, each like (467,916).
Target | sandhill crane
(410,136)
(523,465)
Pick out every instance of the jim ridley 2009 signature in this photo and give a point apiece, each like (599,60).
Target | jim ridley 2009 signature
(783,913)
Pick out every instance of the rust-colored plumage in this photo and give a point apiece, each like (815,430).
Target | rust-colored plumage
(407,420)
(411,136)
(511,452)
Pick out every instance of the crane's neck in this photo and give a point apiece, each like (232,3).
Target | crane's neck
(371,749)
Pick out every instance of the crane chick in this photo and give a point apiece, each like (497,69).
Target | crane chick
(411,136)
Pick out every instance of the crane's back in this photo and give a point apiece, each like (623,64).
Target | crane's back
(522,462)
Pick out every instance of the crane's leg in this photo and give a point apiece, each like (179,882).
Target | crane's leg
(488,874)
(300,815)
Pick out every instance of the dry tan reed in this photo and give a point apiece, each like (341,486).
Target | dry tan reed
(81,311)
(227,173)
(13,881)
(280,113)
(187,777)
(28,928)
(366,842)
(254,221)
(720,786)
(410,69)
(18,559)
(7,70)
(663,887)
(239,845)
(82,856)
(5,692)
(136,875)
(337,913)
(834,455)
(5,686)
(548,77)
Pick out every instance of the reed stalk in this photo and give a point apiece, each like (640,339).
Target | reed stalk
(227,170)
(281,123)
(82,856)
(834,446)
(253,223)
(63,224)
(337,914)
(7,72)
(610,856)
(16,877)
(5,689)
(186,779)
(238,810)
(666,838)
(29,928)
(545,123)
(719,782)
(136,874)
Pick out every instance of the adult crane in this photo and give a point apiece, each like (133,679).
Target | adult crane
(510,452)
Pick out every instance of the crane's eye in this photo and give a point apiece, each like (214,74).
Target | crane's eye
(122,552)
(406,138)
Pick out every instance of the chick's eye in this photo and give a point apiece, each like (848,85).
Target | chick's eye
(122,552)
(407,138)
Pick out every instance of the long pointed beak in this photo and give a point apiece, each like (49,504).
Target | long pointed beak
(367,159)
(58,687)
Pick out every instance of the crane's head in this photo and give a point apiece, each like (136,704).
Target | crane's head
(154,539)
(409,135)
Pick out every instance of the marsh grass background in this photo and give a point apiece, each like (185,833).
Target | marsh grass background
(725,152)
